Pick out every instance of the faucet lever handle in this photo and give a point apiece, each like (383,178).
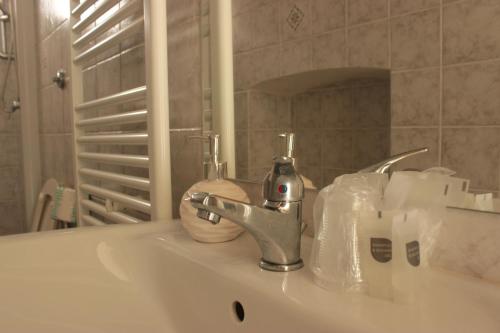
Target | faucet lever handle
(384,165)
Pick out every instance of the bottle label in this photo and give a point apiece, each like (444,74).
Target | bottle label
(413,253)
(381,249)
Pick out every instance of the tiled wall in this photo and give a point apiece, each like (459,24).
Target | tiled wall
(338,130)
(11,177)
(119,69)
(444,58)
(184,72)
(55,113)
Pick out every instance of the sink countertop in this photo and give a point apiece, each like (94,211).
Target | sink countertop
(154,277)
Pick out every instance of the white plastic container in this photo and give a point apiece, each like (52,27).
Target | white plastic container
(406,256)
(375,248)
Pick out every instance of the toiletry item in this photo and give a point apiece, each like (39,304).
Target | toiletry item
(374,232)
(335,257)
(406,255)
(216,184)
(414,189)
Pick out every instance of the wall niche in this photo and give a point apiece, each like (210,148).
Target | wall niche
(341,118)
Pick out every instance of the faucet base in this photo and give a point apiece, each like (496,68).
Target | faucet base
(280,267)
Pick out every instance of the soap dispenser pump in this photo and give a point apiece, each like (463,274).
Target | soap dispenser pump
(215,182)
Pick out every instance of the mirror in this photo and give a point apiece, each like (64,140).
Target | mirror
(348,95)
(341,120)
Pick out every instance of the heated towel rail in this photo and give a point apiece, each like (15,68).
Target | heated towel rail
(122,153)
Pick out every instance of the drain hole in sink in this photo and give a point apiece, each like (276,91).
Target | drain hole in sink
(239,311)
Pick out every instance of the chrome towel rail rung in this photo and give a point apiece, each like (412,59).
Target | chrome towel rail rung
(116,119)
(126,96)
(138,183)
(137,26)
(81,7)
(140,161)
(90,220)
(121,139)
(116,217)
(102,8)
(127,10)
(127,200)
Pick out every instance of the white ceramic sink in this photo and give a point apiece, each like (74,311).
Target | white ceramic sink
(154,278)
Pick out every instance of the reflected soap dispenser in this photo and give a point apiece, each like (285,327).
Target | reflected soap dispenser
(215,183)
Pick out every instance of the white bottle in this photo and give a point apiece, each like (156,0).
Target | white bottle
(215,183)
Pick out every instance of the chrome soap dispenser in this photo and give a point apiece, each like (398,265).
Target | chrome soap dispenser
(215,182)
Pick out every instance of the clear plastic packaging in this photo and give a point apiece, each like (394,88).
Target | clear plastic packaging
(374,236)
(335,260)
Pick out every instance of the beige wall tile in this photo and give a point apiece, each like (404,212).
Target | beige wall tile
(399,7)
(132,68)
(182,10)
(244,76)
(370,106)
(336,108)
(187,167)
(67,109)
(327,15)
(475,154)
(265,25)
(313,174)
(256,66)
(107,77)
(471,94)
(54,159)
(241,110)
(10,150)
(12,218)
(239,6)
(52,116)
(404,139)
(360,11)
(329,50)
(296,56)
(471,31)
(242,32)
(337,149)
(368,45)
(306,110)
(308,148)
(370,146)
(185,75)
(69,172)
(284,113)
(263,147)
(51,13)
(262,109)
(89,84)
(415,98)
(415,40)
(241,142)
(295,19)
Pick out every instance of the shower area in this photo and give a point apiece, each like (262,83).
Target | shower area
(11,171)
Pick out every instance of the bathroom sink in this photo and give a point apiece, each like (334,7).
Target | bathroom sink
(153,278)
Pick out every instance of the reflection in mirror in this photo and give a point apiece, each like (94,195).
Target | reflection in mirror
(341,126)
(342,115)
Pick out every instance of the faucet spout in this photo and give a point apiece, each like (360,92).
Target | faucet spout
(276,227)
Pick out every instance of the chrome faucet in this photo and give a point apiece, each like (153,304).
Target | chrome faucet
(277,225)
